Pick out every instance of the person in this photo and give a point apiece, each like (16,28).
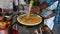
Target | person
(47,13)
(56,28)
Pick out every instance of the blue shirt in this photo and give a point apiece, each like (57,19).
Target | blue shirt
(57,16)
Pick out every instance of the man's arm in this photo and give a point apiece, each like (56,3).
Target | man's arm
(51,15)
(45,5)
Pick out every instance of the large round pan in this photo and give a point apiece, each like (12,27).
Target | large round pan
(29,24)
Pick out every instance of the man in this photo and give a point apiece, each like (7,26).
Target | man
(47,13)
(56,28)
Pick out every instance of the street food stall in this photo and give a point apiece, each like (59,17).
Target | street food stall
(22,21)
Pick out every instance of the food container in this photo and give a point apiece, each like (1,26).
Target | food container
(19,21)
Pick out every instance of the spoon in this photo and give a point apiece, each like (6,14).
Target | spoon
(31,3)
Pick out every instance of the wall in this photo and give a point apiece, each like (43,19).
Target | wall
(4,3)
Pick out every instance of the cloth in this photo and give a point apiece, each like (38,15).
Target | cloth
(49,22)
(53,6)
(14,31)
(7,3)
(45,12)
(57,16)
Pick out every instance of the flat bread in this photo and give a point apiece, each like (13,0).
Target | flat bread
(32,20)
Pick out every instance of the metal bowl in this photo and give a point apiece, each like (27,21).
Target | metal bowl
(29,24)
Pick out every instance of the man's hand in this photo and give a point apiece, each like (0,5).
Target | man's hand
(35,9)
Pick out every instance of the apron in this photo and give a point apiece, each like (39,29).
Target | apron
(49,22)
